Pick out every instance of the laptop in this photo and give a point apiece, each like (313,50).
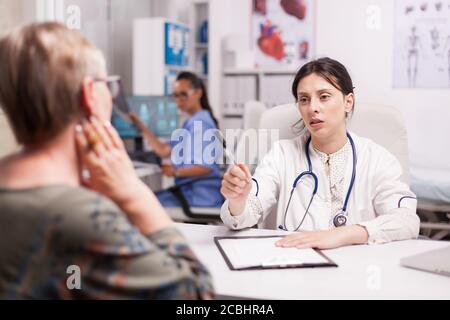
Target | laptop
(436,261)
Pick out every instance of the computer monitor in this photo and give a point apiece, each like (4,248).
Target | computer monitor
(159,114)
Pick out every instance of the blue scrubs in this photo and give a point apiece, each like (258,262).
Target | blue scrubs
(195,147)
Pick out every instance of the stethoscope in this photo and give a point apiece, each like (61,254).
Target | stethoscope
(339,219)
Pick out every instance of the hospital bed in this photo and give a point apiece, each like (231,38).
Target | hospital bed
(432,188)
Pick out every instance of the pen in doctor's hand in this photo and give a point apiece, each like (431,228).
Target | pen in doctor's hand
(236,186)
(229,156)
(236,183)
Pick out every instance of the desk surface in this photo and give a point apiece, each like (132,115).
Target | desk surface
(364,272)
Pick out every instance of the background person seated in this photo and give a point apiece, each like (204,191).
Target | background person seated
(191,164)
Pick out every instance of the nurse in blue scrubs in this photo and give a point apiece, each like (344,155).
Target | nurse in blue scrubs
(189,160)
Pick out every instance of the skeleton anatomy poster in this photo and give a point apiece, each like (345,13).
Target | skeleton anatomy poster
(283,32)
(422,44)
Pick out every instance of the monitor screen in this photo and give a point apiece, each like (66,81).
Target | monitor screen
(159,114)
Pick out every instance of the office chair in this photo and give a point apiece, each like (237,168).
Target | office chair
(186,213)
(245,148)
(382,124)
(253,111)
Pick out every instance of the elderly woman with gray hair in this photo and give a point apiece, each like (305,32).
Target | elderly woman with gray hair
(55,220)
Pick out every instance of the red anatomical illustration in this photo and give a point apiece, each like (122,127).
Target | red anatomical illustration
(296,8)
(270,41)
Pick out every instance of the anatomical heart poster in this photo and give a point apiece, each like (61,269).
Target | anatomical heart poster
(422,44)
(283,32)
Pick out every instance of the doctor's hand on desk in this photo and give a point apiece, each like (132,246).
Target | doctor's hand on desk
(325,239)
(236,186)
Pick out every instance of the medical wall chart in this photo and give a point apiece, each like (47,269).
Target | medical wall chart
(422,44)
(283,32)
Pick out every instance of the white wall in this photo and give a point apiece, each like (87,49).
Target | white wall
(343,35)
(15,12)
(368,54)
(8,143)
(12,13)
(122,15)
(226,17)
(9,11)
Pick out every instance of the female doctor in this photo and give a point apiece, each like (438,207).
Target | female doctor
(329,186)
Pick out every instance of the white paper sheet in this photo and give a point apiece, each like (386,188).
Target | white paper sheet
(262,252)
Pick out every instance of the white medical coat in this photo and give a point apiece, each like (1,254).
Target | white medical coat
(373,201)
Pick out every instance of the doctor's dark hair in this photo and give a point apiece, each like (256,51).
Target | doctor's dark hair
(332,71)
(197,83)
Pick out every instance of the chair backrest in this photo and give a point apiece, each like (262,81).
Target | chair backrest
(245,151)
(382,124)
(253,111)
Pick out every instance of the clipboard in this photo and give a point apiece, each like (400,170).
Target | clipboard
(321,259)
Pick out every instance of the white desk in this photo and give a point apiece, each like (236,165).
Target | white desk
(364,272)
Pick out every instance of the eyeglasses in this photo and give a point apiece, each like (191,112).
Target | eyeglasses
(113,84)
(182,94)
